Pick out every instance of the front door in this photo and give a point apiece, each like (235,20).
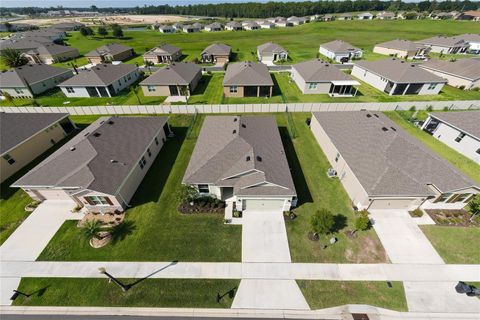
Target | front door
(173,90)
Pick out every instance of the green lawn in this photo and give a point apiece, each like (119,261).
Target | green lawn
(326,294)
(209,90)
(455,244)
(315,191)
(158,231)
(158,293)
(467,166)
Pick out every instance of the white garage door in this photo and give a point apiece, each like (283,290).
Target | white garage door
(394,204)
(54,194)
(264,204)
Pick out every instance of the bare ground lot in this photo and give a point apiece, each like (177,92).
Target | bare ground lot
(122,20)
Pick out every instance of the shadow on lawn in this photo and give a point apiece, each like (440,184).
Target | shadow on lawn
(301,186)
(152,185)
(202,85)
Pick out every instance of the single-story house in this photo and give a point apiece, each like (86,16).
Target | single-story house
(442,15)
(254,172)
(101,167)
(247,79)
(51,53)
(398,77)
(327,17)
(319,77)
(386,15)
(365,16)
(250,25)
(32,79)
(198,25)
(163,54)
(110,52)
(234,26)
(25,136)
(177,26)
(275,19)
(16,27)
(458,130)
(176,79)
(345,16)
(103,80)
(190,28)
(381,166)
(473,15)
(218,53)
(473,41)
(269,52)
(441,44)
(340,51)
(283,23)
(402,49)
(462,73)
(68,26)
(216,26)
(166,29)
(50,33)
(24,44)
(267,25)
(296,21)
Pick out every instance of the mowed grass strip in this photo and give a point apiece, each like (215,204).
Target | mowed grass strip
(326,294)
(157,231)
(161,293)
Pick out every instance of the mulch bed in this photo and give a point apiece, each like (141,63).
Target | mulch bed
(454,218)
(202,207)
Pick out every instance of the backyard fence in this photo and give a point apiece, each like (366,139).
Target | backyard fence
(250,108)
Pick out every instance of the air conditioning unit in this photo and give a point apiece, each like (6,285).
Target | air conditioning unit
(332,173)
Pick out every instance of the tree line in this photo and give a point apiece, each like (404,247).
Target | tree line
(272,9)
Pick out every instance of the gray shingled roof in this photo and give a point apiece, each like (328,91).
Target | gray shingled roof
(99,75)
(180,73)
(320,71)
(400,71)
(215,25)
(470,37)
(23,44)
(163,49)
(466,121)
(86,160)
(339,46)
(443,41)
(400,44)
(231,145)
(388,163)
(218,49)
(464,68)
(234,24)
(53,49)
(110,48)
(247,73)
(270,47)
(18,127)
(32,73)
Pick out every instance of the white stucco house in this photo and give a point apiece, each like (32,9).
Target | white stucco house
(458,130)
(271,52)
(473,41)
(461,73)
(340,51)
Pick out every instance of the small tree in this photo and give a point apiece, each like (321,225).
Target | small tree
(362,223)
(102,31)
(117,31)
(322,222)
(91,228)
(474,206)
(86,31)
(13,58)
(189,193)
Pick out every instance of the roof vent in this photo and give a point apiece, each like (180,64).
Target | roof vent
(72,148)
(235,119)
(111,122)
(369,115)
(376,115)
(248,158)
(243,125)
(393,128)
(97,134)
(385,129)
(234,131)
(259,158)
(113,161)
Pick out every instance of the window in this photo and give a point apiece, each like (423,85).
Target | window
(18,90)
(149,152)
(233,89)
(444,197)
(203,188)
(432,86)
(142,162)
(460,137)
(69,89)
(156,141)
(9,159)
(312,86)
(98,201)
(151,88)
(337,157)
(478,151)
(462,197)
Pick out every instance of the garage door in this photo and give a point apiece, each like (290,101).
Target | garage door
(264,204)
(394,203)
(54,194)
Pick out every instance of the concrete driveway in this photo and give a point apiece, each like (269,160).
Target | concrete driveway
(402,239)
(264,237)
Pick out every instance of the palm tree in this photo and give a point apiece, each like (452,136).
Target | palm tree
(13,58)
(91,228)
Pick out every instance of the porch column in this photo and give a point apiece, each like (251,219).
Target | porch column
(392,90)
(356,90)
(98,91)
(271,91)
(258,91)
(406,88)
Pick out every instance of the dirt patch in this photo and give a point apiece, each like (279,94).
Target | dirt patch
(122,20)
(370,252)
(453,218)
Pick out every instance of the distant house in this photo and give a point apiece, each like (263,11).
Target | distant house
(190,28)
(442,16)
(68,26)
(458,130)
(198,25)
(319,77)
(365,16)
(32,79)
(16,27)
(216,26)
(271,52)
(254,173)
(24,44)
(217,53)
(267,25)
(327,17)
(296,20)
(283,23)
(25,136)
(51,53)
(402,49)
(461,73)
(166,29)
(110,52)
(103,80)
(345,16)
(101,168)
(177,26)
(50,33)
(163,54)
(340,51)
(398,77)
(470,15)
(383,167)
(234,26)
(176,79)
(441,44)
(473,41)
(247,79)
(386,15)
(250,25)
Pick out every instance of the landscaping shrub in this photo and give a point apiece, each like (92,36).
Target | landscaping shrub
(322,222)
(417,213)
(362,223)
(474,206)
